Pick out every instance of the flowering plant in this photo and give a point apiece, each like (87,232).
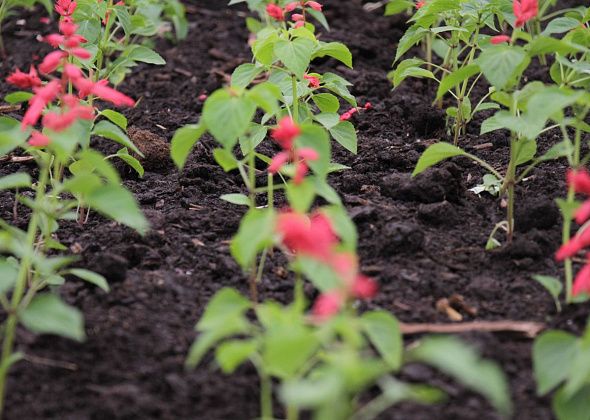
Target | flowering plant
(67,167)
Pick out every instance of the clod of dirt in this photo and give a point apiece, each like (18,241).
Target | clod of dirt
(432,186)
(112,266)
(155,149)
(426,120)
(402,237)
(438,213)
(484,287)
(522,247)
(539,213)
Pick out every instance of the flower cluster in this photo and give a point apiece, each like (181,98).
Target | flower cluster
(285,135)
(314,237)
(348,114)
(524,10)
(278,13)
(579,180)
(71,107)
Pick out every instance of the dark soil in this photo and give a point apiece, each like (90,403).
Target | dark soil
(421,238)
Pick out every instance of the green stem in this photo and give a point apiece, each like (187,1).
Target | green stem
(3,7)
(295,103)
(510,183)
(266,397)
(252,195)
(21,282)
(292,413)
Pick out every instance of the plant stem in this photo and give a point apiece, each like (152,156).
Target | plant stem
(510,183)
(266,412)
(295,104)
(252,196)
(292,413)
(21,282)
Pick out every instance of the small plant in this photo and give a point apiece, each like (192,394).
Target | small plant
(70,173)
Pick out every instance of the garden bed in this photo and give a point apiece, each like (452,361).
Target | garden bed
(423,240)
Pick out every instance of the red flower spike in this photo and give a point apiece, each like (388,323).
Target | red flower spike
(67,27)
(583,213)
(297,17)
(314,5)
(43,96)
(364,287)
(580,180)
(299,24)
(24,80)
(55,40)
(314,82)
(286,132)
(38,140)
(275,12)
(51,62)
(582,280)
(111,95)
(81,53)
(420,4)
(573,246)
(524,10)
(327,305)
(278,162)
(65,7)
(291,6)
(499,39)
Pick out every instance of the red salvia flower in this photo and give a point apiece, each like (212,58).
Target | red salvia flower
(314,5)
(24,80)
(275,12)
(364,287)
(574,245)
(314,81)
(499,39)
(38,140)
(327,305)
(582,280)
(580,180)
(286,132)
(420,4)
(524,10)
(65,7)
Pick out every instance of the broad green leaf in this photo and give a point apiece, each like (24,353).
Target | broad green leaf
(16,180)
(502,64)
(326,102)
(286,350)
(552,285)
(8,275)
(225,307)
(90,277)
(335,50)
(398,6)
(255,233)
(526,151)
(124,155)
(460,361)
(301,196)
(345,134)
(47,314)
(244,74)
(553,352)
(316,138)
(561,25)
(115,117)
(576,407)
(383,330)
(410,38)
(225,159)
(118,204)
(233,353)
(435,154)
(145,55)
(295,54)
(110,131)
(227,115)
(183,142)
(18,97)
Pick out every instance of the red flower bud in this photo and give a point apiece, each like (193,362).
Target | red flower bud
(499,39)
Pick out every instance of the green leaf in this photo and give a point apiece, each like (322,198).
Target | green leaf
(553,352)
(183,142)
(552,285)
(239,199)
(90,277)
(383,330)
(227,116)
(232,354)
(18,97)
(460,361)
(244,74)
(145,55)
(576,407)
(286,350)
(335,50)
(110,131)
(435,154)
(118,204)
(316,138)
(345,134)
(255,233)
(8,275)
(502,64)
(395,7)
(326,102)
(526,150)
(410,38)
(124,155)
(409,68)
(226,306)
(561,25)
(225,159)
(115,117)
(301,196)
(47,314)
(295,54)
(16,180)
(453,79)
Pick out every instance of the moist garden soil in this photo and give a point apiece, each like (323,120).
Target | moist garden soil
(423,239)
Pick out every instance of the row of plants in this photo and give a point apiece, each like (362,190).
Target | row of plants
(323,355)
(96,45)
(473,46)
